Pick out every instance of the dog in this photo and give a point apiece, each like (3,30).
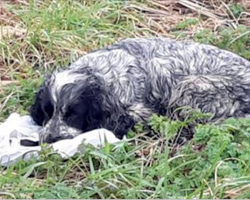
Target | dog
(125,83)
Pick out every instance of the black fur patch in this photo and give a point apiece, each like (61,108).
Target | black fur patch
(42,110)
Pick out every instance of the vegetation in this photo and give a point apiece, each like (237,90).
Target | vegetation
(38,36)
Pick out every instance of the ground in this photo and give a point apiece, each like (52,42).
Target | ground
(38,36)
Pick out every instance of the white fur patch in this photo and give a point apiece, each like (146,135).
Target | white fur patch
(61,79)
(138,110)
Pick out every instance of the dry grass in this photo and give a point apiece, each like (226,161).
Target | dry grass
(213,12)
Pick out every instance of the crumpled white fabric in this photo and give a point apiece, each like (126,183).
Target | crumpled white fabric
(17,128)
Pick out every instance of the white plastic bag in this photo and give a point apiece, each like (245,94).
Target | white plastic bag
(17,128)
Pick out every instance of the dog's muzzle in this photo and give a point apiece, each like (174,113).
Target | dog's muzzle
(56,130)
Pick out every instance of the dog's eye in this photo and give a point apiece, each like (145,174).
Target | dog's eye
(68,114)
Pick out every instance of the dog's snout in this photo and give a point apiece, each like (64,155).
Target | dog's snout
(46,138)
(51,138)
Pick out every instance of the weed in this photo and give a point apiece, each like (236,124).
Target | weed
(185,24)
(236,10)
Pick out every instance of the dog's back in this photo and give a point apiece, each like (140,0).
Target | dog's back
(152,75)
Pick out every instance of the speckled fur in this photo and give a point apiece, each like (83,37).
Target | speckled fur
(137,77)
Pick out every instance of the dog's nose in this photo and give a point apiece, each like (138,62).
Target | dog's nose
(51,139)
(47,138)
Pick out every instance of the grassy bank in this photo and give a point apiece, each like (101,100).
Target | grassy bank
(39,36)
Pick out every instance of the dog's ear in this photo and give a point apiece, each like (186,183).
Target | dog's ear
(102,109)
(91,103)
(42,109)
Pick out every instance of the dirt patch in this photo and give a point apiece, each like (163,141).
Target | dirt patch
(6,17)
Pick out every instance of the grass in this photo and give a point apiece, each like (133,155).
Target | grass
(38,36)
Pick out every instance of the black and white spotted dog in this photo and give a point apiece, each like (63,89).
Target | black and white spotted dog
(125,83)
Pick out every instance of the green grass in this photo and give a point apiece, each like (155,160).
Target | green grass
(214,164)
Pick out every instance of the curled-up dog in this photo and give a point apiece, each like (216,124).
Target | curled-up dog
(125,83)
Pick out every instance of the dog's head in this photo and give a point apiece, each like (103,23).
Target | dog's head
(73,102)
(70,103)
